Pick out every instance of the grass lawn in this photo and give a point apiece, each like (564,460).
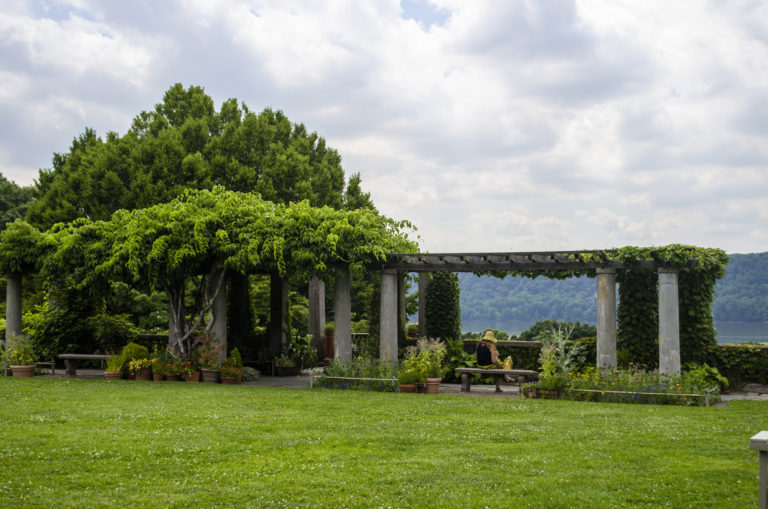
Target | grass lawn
(92,443)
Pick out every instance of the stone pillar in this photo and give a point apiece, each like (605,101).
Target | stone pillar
(423,279)
(669,322)
(317,315)
(217,315)
(12,306)
(342,315)
(402,316)
(278,313)
(388,325)
(606,318)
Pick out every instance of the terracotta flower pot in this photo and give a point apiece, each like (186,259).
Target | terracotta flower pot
(112,375)
(172,377)
(432,385)
(23,371)
(157,377)
(192,377)
(229,380)
(407,388)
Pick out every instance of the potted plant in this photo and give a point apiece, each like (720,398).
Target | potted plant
(21,355)
(303,353)
(556,359)
(115,367)
(285,365)
(407,378)
(230,374)
(158,368)
(141,369)
(181,367)
(425,361)
(208,356)
(528,390)
(170,372)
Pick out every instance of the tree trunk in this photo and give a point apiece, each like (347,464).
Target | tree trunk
(216,300)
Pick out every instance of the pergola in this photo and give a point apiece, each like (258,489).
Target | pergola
(605,269)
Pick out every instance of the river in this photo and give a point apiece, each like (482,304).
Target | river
(727,332)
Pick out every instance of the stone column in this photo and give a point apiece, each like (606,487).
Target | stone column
(606,318)
(669,322)
(388,325)
(217,315)
(342,315)
(423,279)
(12,306)
(317,315)
(278,313)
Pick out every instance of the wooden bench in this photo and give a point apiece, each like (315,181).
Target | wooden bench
(70,358)
(520,375)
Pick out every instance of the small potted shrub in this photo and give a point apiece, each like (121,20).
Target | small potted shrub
(21,355)
(407,378)
(115,367)
(285,365)
(158,368)
(303,353)
(425,360)
(141,369)
(208,356)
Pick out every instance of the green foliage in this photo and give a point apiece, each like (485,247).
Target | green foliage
(21,246)
(442,309)
(21,351)
(112,331)
(425,359)
(134,351)
(638,320)
(740,364)
(184,143)
(545,327)
(237,359)
(658,386)
(116,363)
(457,357)
(302,352)
(336,373)
(14,201)
(703,377)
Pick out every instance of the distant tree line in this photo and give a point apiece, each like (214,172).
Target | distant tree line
(741,296)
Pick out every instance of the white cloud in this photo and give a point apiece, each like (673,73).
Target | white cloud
(525,125)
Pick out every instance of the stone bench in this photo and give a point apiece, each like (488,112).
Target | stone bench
(70,358)
(520,375)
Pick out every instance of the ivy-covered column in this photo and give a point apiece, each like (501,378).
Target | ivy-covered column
(342,315)
(12,306)
(278,313)
(317,315)
(423,279)
(388,323)
(669,322)
(606,318)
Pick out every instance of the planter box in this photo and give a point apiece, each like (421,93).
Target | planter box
(210,375)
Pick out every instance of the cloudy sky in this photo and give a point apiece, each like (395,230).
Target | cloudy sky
(492,125)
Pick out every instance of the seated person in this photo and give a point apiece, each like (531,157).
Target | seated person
(488,357)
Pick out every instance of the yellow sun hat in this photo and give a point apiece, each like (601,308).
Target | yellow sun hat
(489,336)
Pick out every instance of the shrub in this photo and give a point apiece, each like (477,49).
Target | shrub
(134,351)
(441,306)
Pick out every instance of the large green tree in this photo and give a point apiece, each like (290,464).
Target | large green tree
(184,143)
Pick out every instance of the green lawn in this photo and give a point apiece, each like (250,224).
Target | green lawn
(92,443)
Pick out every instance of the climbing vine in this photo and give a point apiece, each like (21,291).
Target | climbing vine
(441,306)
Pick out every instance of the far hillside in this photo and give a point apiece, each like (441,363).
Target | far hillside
(742,296)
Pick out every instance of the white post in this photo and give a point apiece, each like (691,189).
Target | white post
(606,318)
(669,322)
(388,323)
(759,443)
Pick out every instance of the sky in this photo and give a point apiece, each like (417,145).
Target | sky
(491,125)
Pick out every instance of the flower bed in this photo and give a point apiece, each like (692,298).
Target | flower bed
(694,387)
(361,373)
